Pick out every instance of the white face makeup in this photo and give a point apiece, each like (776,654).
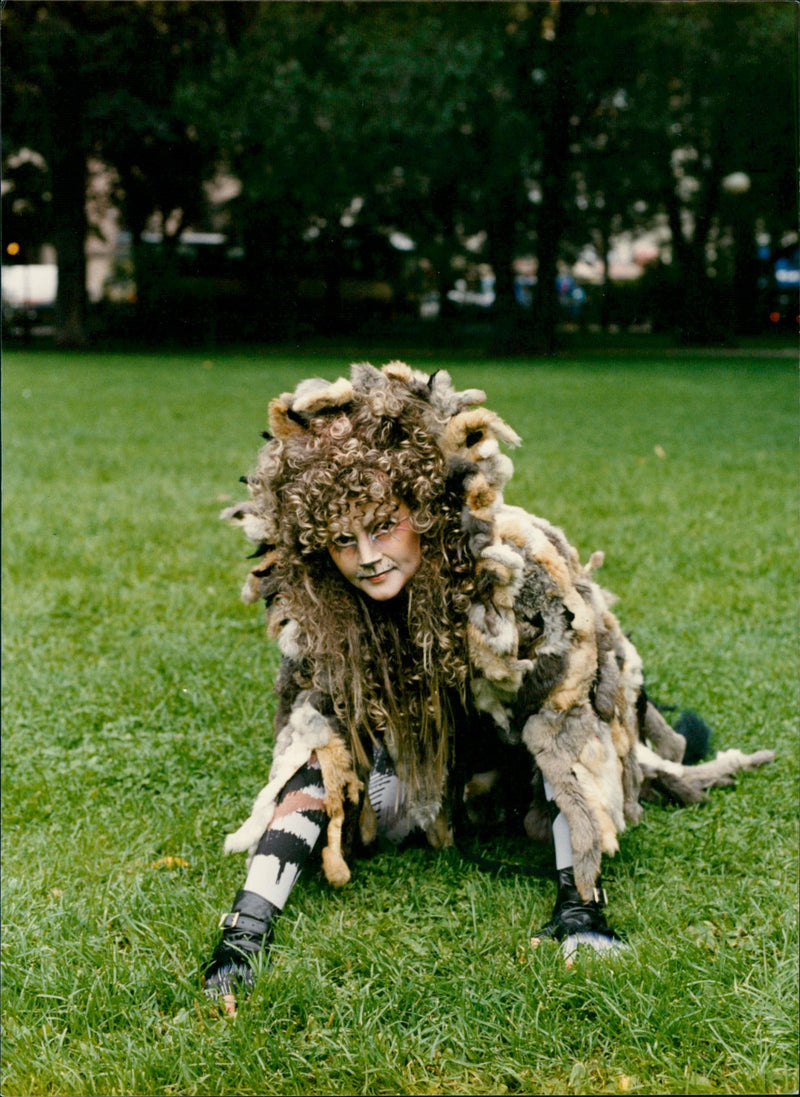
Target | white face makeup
(378,558)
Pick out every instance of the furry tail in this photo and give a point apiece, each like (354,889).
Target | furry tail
(689,741)
(673,759)
(697,734)
(688,784)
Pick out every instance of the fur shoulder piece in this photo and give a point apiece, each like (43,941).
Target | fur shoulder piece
(553,668)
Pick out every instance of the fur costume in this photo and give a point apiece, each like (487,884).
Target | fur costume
(548,668)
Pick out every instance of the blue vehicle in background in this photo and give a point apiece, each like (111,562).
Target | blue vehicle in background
(782,288)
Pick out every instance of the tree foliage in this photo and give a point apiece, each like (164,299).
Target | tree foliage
(96,80)
(483,131)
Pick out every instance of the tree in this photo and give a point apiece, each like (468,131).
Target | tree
(43,108)
(714,97)
(341,117)
(645,110)
(96,80)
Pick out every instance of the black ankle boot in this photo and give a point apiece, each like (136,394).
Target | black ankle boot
(573,916)
(246,932)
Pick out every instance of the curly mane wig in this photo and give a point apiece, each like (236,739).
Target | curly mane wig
(395,671)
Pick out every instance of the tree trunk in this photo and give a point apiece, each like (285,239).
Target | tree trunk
(559,106)
(509,335)
(696,322)
(69,171)
(331,319)
(700,320)
(272,267)
(603,241)
(745,276)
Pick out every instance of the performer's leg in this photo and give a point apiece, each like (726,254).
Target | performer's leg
(282,851)
(387,796)
(574,920)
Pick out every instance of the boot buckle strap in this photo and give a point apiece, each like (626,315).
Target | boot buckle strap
(244,923)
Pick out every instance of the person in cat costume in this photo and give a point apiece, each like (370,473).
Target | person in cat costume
(447,661)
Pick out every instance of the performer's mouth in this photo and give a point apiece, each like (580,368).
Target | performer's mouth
(377,578)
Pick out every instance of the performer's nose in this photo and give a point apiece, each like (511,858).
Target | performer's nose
(368,553)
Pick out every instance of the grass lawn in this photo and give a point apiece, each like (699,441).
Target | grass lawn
(137,730)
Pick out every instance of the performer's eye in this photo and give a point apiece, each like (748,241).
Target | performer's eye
(343,541)
(385,529)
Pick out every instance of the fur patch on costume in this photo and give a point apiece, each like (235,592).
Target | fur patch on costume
(305,731)
(367,822)
(598,772)
(314,395)
(287,640)
(482,499)
(281,424)
(556,741)
(468,429)
(500,670)
(498,633)
(596,561)
(340,781)
(661,737)
(397,371)
(251,591)
(244,516)
(445,400)
(440,832)
(487,700)
(260,584)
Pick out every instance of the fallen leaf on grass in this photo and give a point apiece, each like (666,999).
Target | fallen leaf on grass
(170,862)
